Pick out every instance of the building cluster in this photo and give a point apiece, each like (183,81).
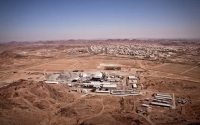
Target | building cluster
(163,100)
(98,82)
(142,51)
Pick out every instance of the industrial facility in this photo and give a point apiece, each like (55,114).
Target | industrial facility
(96,82)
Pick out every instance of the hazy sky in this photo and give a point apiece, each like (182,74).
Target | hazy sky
(31,20)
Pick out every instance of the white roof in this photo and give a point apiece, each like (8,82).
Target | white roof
(105,83)
(160,104)
(84,74)
(84,91)
(101,83)
(51,82)
(98,91)
(69,84)
(163,97)
(134,85)
(98,75)
(109,86)
(132,77)
(77,78)
(96,86)
(145,105)
(92,84)
(159,94)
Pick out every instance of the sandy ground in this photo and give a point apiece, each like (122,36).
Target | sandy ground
(28,102)
(25,102)
(32,102)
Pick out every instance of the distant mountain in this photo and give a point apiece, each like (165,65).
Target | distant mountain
(9,54)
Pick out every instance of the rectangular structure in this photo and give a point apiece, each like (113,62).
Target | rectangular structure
(134,85)
(163,97)
(98,75)
(158,94)
(132,77)
(160,104)
(51,82)
(109,86)
(145,105)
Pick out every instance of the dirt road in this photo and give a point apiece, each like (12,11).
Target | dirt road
(96,115)
(189,69)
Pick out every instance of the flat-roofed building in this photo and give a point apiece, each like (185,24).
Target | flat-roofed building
(145,105)
(158,94)
(83,75)
(96,84)
(98,75)
(51,82)
(132,77)
(134,85)
(160,104)
(109,86)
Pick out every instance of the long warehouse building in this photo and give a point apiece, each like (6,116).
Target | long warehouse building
(160,104)
(163,95)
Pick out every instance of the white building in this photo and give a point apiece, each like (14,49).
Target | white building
(98,75)
(132,77)
(96,84)
(134,85)
(109,86)
(160,104)
(51,82)
(84,91)
(83,75)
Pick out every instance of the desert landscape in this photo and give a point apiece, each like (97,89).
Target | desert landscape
(64,86)
(99,62)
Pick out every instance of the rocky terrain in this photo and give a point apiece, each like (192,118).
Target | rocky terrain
(37,103)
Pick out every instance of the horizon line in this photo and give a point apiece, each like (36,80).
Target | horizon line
(101,39)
